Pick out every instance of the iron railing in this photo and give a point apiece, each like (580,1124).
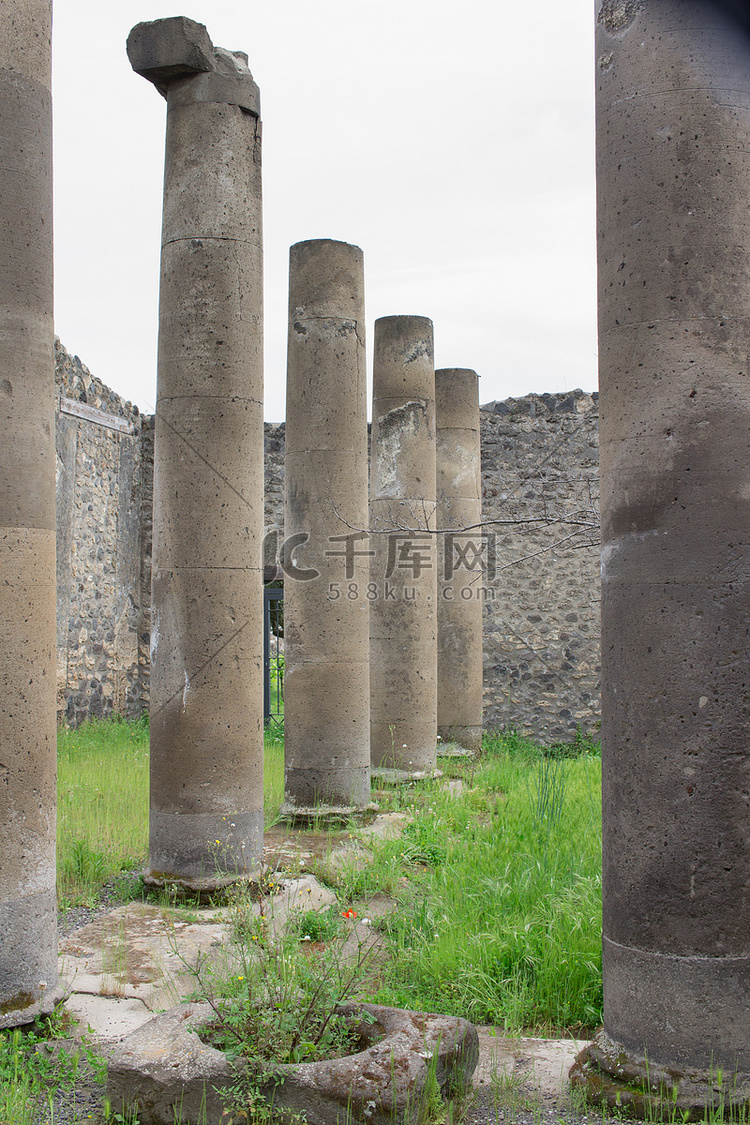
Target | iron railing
(273,656)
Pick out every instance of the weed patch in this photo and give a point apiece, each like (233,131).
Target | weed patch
(275,997)
(30,1071)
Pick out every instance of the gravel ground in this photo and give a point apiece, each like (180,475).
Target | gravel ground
(110,896)
(84,1106)
(488,1106)
(81,1105)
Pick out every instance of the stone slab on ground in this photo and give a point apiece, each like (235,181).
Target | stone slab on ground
(139,952)
(107,1017)
(137,959)
(354,851)
(539,1066)
(300,895)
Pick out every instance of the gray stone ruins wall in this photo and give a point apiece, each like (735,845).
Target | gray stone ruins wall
(540,462)
(541,629)
(103,499)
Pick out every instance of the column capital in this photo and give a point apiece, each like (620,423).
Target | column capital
(176,54)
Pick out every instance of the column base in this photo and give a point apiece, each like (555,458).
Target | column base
(453,749)
(23,1008)
(610,1076)
(393,776)
(408,748)
(28,958)
(326,814)
(199,886)
(200,853)
(327,788)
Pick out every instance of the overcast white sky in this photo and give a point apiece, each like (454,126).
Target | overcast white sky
(452,141)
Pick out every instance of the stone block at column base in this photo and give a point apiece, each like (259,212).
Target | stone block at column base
(323,814)
(674,1043)
(611,1077)
(202,852)
(684,1011)
(28,958)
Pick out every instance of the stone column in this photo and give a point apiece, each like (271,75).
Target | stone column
(206,819)
(673,168)
(326,618)
(28,766)
(459,506)
(403,617)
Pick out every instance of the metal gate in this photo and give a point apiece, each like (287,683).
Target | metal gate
(273,656)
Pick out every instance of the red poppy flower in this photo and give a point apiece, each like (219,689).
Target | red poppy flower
(349,914)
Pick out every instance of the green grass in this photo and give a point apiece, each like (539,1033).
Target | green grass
(19,1087)
(497,889)
(29,1074)
(102,802)
(273,773)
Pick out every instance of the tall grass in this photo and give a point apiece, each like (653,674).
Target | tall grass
(19,1092)
(102,801)
(273,774)
(102,804)
(502,921)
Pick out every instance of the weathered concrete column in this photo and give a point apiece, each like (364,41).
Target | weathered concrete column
(206,819)
(674,278)
(403,617)
(28,765)
(326,618)
(459,507)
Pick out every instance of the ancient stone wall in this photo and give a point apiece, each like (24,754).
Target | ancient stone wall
(540,512)
(103,504)
(273,443)
(540,500)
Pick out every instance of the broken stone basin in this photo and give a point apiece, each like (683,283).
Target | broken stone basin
(164,1068)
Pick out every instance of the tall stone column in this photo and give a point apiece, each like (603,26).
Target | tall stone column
(326,618)
(28,765)
(459,507)
(673,169)
(206,819)
(403,614)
